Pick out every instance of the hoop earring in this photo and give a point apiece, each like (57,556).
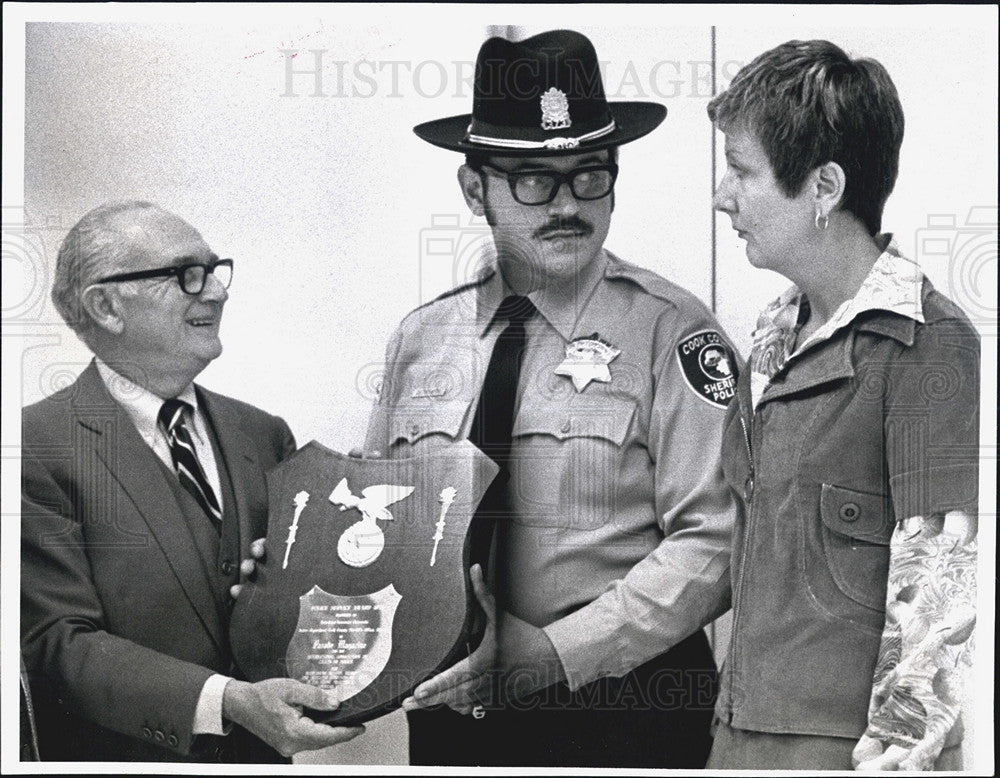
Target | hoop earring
(821,218)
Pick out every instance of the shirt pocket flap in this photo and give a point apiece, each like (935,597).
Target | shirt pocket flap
(418,421)
(860,515)
(609,419)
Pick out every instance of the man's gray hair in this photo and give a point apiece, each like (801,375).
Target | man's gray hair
(96,245)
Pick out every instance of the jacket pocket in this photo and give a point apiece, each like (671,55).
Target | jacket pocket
(857,527)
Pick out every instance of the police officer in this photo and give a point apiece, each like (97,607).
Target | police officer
(600,389)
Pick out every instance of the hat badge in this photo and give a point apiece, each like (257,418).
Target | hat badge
(555,110)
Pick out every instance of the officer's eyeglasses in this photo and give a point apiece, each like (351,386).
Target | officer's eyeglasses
(539,187)
(191,276)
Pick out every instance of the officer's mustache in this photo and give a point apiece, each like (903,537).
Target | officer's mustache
(560,224)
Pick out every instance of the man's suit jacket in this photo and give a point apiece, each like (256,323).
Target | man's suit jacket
(120,625)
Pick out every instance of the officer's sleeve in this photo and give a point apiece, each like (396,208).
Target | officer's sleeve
(684,583)
(931,437)
(377,438)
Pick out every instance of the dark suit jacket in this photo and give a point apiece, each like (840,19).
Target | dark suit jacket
(119,624)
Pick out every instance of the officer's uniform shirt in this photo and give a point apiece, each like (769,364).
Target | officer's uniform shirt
(619,540)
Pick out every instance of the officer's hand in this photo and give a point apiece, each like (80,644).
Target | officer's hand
(272,710)
(466,684)
(248,567)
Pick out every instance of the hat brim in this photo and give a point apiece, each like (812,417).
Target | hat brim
(633,119)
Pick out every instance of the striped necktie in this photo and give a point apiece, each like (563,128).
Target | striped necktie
(189,469)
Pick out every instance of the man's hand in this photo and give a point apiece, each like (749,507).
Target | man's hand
(249,566)
(515,659)
(466,684)
(272,710)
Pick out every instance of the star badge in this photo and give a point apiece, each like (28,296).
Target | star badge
(587,360)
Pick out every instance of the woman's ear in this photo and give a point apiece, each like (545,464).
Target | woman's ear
(101,306)
(829,183)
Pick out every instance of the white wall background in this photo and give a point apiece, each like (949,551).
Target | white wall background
(326,202)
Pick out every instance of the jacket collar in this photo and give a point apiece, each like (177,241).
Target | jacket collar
(889,302)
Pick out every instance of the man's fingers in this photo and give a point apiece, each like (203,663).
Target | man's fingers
(453,676)
(307,735)
(247,566)
(359,453)
(482,593)
(460,698)
(257,548)
(234,590)
(298,693)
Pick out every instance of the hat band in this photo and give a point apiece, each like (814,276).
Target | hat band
(548,143)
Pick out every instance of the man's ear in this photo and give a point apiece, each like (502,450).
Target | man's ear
(829,183)
(472,190)
(101,305)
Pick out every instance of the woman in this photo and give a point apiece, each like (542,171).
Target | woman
(853,444)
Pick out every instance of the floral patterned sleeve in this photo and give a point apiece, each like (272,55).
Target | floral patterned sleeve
(931,450)
(927,643)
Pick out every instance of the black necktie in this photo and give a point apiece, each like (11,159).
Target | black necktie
(189,470)
(493,424)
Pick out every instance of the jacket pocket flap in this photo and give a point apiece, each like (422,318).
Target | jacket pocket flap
(859,515)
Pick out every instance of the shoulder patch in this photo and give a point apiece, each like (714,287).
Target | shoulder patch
(709,367)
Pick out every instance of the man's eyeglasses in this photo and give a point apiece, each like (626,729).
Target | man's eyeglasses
(191,276)
(539,187)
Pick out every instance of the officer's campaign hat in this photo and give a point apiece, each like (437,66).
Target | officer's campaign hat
(540,97)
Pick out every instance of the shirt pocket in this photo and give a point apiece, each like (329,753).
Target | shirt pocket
(410,426)
(857,528)
(568,461)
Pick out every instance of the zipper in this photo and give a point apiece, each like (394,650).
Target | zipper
(748,496)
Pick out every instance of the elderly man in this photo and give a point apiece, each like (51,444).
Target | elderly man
(141,492)
(600,388)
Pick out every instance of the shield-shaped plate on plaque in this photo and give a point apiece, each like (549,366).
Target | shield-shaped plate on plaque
(365,589)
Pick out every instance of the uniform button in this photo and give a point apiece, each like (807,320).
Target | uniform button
(158,736)
(567,425)
(147,732)
(228,567)
(172,741)
(849,511)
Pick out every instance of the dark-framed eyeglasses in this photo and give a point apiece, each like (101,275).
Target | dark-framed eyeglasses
(191,275)
(539,187)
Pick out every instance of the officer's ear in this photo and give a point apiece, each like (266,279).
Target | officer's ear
(473,190)
(103,308)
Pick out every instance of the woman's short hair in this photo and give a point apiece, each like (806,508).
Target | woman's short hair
(808,103)
(95,246)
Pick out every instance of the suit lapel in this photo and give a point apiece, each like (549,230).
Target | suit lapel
(240,460)
(112,436)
